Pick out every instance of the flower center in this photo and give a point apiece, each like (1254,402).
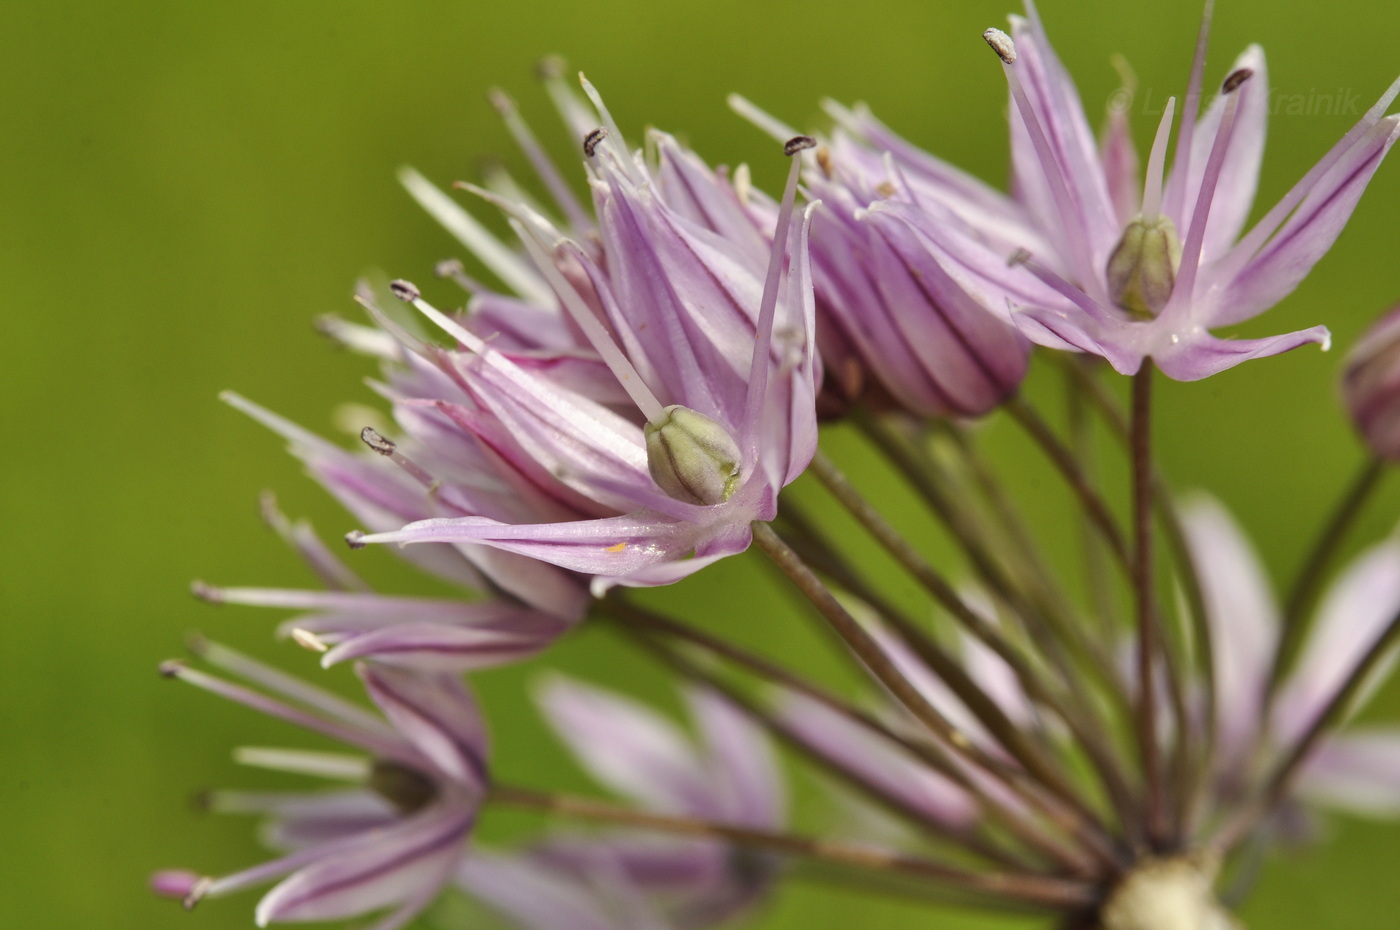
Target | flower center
(1142,269)
(409,790)
(691,457)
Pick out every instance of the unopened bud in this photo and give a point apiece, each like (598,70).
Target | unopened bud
(1142,268)
(692,457)
(1371,386)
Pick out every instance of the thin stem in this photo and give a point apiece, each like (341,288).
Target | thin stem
(1281,781)
(860,642)
(1068,467)
(1003,728)
(1144,583)
(1309,579)
(1045,627)
(1036,617)
(1188,572)
(883,669)
(1081,439)
(1194,774)
(1001,503)
(1038,890)
(965,838)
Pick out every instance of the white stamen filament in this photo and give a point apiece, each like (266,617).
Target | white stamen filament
(767,311)
(764,121)
(279,425)
(331,765)
(614,139)
(378,742)
(494,254)
(288,686)
(1156,162)
(544,167)
(365,340)
(309,640)
(597,335)
(571,110)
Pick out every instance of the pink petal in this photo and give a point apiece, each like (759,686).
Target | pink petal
(388,867)
(1358,771)
(748,787)
(1353,614)
(1239,176)
(1243,620)
(627,746)
(1201,355)
(1306,236)
(438,715)
(444,648)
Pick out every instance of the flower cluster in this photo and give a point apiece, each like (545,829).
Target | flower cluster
(627,404)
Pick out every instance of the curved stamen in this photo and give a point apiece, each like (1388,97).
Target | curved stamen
(1196,235)
(493,253)
(592,328)
(761,363)
(1056,174)
(1080,299)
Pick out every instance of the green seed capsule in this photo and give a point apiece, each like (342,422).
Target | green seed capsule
(1142,269)
(691,457)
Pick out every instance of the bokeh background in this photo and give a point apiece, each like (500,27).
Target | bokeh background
(184,186)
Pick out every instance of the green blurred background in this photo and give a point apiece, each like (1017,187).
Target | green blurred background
(184,186)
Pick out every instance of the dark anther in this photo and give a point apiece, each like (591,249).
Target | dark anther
(797,144)
(590,141)
(407,789)
(171,668)
(206,592)
(355,539)
(1236,78)
(1018,257)
(378,443)
(406,291)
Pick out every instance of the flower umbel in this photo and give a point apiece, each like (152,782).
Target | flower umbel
(393,839)
(1028,725)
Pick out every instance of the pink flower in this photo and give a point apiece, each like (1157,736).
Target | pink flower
(640,882)
(1358,769)
(705,332)
(1109,266)
(396,837)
